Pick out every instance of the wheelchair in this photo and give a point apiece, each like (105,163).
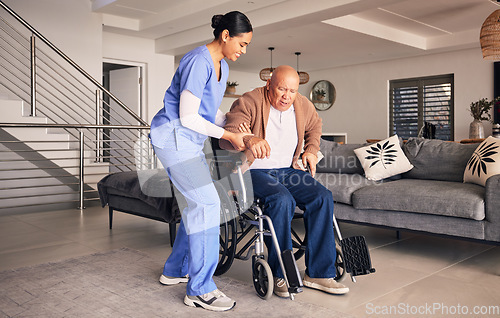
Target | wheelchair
(239,218)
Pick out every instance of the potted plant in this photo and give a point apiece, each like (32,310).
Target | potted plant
(480,110)
(320,94)
(231,87)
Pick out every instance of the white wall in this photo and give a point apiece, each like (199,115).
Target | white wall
(68,24)
(159,67)
(246,82)
(362,106)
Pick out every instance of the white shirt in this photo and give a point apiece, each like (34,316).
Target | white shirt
(281,134)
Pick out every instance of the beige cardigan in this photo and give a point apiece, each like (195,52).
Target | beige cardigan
(254,107)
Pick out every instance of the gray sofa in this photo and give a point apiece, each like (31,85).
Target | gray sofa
(430,198)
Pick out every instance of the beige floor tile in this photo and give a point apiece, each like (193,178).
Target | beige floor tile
(36,238)
(413,271)
(482,269)
(42,254)
(427,254)
(432,296)
(384,281)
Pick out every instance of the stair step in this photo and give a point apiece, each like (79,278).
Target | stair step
(12,112)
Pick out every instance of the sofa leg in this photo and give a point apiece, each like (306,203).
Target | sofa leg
(110,218)
(173,232)
(398,234)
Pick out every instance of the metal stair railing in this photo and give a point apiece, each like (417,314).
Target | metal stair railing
(33,75)
(44,78)
(31,164)
(70,61)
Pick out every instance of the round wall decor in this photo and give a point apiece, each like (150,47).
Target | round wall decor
(323,95)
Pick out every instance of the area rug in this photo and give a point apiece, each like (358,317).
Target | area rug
(124,283)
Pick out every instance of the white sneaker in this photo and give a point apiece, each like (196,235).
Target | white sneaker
(215,301)
(167,280)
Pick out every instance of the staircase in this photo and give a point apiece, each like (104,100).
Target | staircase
(56,141)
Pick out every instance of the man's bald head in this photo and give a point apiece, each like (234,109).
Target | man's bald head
(285,71)
(283,87)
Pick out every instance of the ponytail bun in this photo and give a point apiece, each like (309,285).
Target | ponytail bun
(235,22)
(216,20)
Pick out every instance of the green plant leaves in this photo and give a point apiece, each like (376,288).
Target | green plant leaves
(480,110)
(480,158)
(382,153)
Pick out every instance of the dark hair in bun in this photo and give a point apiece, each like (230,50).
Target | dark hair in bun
(235,22)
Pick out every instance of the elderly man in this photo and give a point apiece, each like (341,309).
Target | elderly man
(283,122)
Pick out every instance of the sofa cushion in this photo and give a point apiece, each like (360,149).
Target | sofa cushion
(383,159)
(424,196)
(339,158)
(437,159)
(484,162)
(342,185)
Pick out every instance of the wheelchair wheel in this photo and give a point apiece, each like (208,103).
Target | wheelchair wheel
(298,243)
(227,234)
(262,278)
(339,266)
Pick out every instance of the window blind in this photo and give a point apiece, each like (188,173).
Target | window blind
(416,101)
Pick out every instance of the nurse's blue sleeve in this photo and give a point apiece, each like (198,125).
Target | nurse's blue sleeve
(195,75)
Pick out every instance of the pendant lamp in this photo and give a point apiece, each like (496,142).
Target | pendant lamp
(266,73)
(490,36)
(303,76)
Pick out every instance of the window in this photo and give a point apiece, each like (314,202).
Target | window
(415,101)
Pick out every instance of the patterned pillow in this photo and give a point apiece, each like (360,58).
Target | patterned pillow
(484,163)
(383,159)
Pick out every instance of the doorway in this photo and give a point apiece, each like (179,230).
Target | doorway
(125,81)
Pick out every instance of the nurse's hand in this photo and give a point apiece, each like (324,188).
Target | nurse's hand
(244,127)
(236,139)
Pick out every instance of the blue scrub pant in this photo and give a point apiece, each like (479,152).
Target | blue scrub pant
(281,190)
(196,248)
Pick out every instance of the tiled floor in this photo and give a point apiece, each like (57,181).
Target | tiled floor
(417,276)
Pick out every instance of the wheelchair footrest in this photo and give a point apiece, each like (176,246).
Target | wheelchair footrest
(356,256)
(292,272)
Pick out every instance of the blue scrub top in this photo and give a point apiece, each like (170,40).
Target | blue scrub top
(196,73)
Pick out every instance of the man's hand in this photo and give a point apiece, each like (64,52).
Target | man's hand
(258,146)
(310,160)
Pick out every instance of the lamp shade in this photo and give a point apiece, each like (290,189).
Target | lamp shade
(490,36)
(266,73)
(303,76)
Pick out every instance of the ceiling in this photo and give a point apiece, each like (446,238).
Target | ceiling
(328,33)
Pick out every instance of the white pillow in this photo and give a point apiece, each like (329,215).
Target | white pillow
(484,162)
(383,159)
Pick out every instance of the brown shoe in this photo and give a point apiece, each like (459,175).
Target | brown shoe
(280,288)
(328,285)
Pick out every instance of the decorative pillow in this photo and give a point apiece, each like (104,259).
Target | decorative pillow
(484,163)
(383,159)
(339,158)
(434,159)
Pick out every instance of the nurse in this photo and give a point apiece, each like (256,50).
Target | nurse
(178,133)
